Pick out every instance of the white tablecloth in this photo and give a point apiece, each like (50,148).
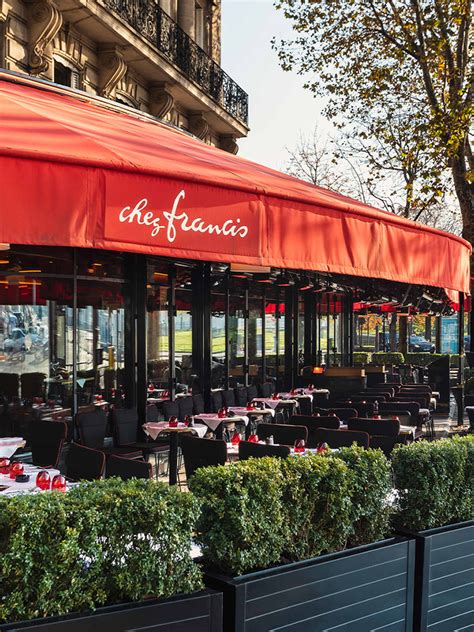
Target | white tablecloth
(9,445)
(212,421)
(274,403)
(154,428)
(289,396)
(14,488)
(242,410)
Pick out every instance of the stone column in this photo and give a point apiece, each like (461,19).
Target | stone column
(186,14)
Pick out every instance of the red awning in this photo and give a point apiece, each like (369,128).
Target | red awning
(78,173)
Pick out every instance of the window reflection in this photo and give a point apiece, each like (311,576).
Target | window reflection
(237,343)
(186,375)
(218,319)
(157,324)
(255,327)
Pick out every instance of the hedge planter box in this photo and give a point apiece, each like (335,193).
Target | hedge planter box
(365,588)
(199,612)
(444,579)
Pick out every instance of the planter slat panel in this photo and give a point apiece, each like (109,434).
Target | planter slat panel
(201,613)
(325,572)
(327,590)
(460,623)
(444,579)
(452,567)
(368,588)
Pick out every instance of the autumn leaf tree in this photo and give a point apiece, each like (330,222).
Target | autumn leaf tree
(405,68)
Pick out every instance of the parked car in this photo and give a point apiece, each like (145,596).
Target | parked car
(418,343)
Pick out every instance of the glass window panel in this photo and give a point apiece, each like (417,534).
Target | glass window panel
(255,328)
(186,374)
(218,307)
(236,339)
(157,324)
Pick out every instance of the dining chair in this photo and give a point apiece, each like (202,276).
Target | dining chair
(305,406)
(228,398)
(313,423)
(47,440)
(283,434)
(170,409)
(198,404)
(252,392)
(127,468)
(265,389)
(241,396)
(202,453)
(386,444)
(343,413)
(217,401)
(92,427)
(83,463)
(248,449)
(363,410)
(380,427)
(341,438)
(185,407)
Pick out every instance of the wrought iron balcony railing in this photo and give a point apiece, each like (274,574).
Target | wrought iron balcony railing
(152,22)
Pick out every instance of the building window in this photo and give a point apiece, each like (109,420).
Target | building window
(199,25)
(66,75)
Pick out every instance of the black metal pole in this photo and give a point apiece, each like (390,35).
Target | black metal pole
(171,331)
(461,360)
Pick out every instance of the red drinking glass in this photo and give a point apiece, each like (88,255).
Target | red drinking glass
(43,480)
(16,468)
(235,439)
(299,445)
(377,417)
(275,396)
(253,438)
(173,422)
(322,447)
(394,417)
(221,413)
(187,420)
(4,466)
(316,415)
(59,483)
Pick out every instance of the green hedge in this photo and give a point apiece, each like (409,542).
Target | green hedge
(361,357)
(422,359)
(260,512)
(434,482)
(382,357)
(101,543)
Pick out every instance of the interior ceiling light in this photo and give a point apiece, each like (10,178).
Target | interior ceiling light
(305,284)
(283,281)
(4,246)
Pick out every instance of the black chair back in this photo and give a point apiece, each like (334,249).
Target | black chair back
(284,434)
(125,422)
(32,385)
(228,397)
(201,453)
(363,410)
(420,398)
(83,463)
(341,438)
(380,427)
(152,413)
(241,396)
(375,397)
(344,413)
(386,444)
(305,406)
(252,392)
(198,404)
(386,391)
(92,426)
(170,409)
(217,401)
(127,468)
(47,440)
(185,406)
(312,423)
(395,407)
(265,389)
(248,450)
(418,388)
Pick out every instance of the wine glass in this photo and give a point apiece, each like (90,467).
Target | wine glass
(59,483)
(300,446)
(43,480)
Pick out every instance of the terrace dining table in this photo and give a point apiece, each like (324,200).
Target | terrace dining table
(9,487)
(216,423)
(154,428)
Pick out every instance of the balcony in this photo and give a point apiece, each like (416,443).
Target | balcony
(159,29)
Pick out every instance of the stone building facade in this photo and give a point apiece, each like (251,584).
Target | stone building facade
(159,56)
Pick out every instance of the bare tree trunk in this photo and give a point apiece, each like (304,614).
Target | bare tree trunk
(465,193)
(403,334)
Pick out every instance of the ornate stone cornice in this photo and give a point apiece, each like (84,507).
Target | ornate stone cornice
(161,100)
(198,125)
(112,69)
(44,21)
(229,143)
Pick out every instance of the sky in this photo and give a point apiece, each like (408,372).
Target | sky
(280,108)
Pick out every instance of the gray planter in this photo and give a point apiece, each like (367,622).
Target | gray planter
(444,579)
(357,590)
(199,612)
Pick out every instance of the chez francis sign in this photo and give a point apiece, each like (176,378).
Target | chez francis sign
(181,216)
